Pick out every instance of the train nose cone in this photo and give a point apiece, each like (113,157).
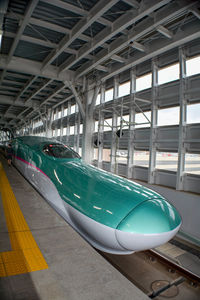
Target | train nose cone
(150,224)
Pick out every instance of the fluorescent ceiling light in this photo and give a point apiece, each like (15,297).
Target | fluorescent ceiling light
(1,34)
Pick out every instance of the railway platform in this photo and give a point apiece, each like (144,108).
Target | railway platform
(42,257)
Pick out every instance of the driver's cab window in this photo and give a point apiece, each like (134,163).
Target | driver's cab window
(60,151)
(47,151)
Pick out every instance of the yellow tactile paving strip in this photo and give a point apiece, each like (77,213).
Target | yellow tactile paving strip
(26,255)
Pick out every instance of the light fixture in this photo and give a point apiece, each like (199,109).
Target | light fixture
(1,34)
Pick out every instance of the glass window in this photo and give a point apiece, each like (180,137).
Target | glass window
(65,131)
(71,130)
(168,116)
(109,95)
(143,82)
(125,119)
(95,156)
(59,114)
(193,66)
(141,120)
(124,89)
(122,156)
(80,151)
(81,129)
(108,124)
(96,126)
(65,112)
(72,109)
(54,116)
(98,99)
(106,154)
(166,161)
(58,132)
(168,74)
(193,113)
(192,163)
(60,151)
(141,158)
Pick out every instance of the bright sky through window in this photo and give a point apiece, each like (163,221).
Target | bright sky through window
(98,99)
(72,109)
(71,130)
(81,129)
(108,124)
(140,119)
(193,113)
(65,112)
(168,74)
(193,66)
(168,116)
(96,126)
(109,95)
(143,82)
(124,89)
(65,131)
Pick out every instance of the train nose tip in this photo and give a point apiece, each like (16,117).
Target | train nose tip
(149,225)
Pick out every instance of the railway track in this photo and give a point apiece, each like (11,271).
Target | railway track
(156,275)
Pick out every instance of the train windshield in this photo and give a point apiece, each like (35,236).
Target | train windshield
(60,151)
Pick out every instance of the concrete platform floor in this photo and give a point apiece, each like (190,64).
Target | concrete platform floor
(75,270)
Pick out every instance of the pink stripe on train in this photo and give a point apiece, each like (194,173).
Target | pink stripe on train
(28,163)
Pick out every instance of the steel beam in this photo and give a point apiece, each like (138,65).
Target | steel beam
(22,65)
(99,9)
(138,46)
(146,26)
(164,31)
(101,128)
(113,160)
(133,3)
(78,99)
(31,6)
(182,122)
(130,159)
(3,10)
(9,100)
(120,24)
(118,58)
(154,119)
(190,33)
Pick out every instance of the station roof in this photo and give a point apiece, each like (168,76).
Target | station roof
(50,47)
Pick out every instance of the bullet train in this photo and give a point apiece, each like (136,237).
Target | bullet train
(113,214)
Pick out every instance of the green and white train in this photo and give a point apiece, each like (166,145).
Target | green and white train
(113,214)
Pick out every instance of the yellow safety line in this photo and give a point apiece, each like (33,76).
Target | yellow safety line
(25,255)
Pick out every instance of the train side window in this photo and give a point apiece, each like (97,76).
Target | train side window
(60,151)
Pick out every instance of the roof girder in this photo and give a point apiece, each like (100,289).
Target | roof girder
(99,9)
(140,30)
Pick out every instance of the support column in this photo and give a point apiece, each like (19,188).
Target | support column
(56,125)
(88,127)
(153,130)
(68,123)
(182,121)
(31,127)
(61,122)
(49,123)
(113,162)
(101,128)
(76,129)
(131,125)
